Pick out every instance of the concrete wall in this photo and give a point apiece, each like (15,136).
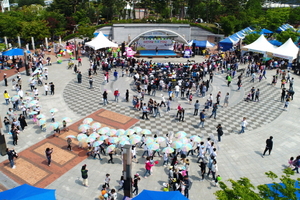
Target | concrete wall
(126,32)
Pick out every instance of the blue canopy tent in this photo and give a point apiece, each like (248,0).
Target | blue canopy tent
(275,42)
(277,192)
(201,43)
(159,195)
(284,27)
(228,43)
(14,52)
(28,192)
(263,31)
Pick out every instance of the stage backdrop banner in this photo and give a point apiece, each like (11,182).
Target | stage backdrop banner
(147,44)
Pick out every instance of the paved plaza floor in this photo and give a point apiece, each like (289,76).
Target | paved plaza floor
(239,155)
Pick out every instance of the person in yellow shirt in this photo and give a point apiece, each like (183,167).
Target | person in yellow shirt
(6,97)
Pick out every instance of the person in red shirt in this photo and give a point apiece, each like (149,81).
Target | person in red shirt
(148,166)
(116,94)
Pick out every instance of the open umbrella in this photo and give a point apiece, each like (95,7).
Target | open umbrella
(110,148)
(124,138)
(53,126)
(186,147)
(97,143)
(27,98)
(104,130)
(94,135)
(90,139)
(96,125)
(129,132)
(81,137)
(146,132)
(120,132)
(153,146)
(83,127)
(168,150)
(103,137)
(113,140)
(34,102)
(87,120)
(42,121)
(176,145)
(195,138)
(160,139)
(15,98)
(149,140)
(112,132)
(53,110)
(41,116)
(67,119)
(137,129)
(14,52)
(71,136)
(135,139)
(33,113)
(183,140)
(180,134)
(124,142)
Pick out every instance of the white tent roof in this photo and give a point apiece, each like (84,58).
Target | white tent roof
(100,42)
(288,50)
(261,45)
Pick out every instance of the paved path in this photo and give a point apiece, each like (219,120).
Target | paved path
(239,154)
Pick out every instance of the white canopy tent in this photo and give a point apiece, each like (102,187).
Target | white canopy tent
(100,42)
(287,51)
(261,45)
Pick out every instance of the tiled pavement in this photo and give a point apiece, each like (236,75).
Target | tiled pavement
(32,165)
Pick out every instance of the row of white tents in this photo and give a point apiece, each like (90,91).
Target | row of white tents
(288,50)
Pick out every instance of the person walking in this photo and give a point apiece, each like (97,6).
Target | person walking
(111,157)
(52,86)
(91,82)
(135,184)
(104,96)
(22,121)
(11,153)
(220,132)
(283,94)
(69,141)
(84,175)
(79,77)
(269,146)
(196,107)
(226,100)
(127,95)
(107,180)
(116,75)
(5,79)
(202,119)
(116,94)
(148,166)
(253,77)
(145,111)
(229,79)
(6,97)
(257,95)
(187,184)
(48,153)
(244,123)
(214,111)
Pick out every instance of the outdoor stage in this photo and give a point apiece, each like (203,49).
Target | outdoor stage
(160,53)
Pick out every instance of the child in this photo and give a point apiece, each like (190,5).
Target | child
(218,178)
(53,115)
(106,180)
(286,104)
(291,161)
(121,183)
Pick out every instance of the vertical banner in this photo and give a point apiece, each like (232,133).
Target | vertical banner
(59,40)
(46,41)
(5,40)
(19,41)
(32,41)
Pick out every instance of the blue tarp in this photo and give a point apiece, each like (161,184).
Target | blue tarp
(14,52)
(280,194)
(158,195)
(263,31)
(28,192)
(96,34)
(284,27)
(275,42)
(202,43)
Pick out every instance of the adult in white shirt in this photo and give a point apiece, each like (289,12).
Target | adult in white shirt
(20,93)
(46,87)
(177,89)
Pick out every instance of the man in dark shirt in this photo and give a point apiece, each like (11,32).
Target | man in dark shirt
(11,155)
(269,146)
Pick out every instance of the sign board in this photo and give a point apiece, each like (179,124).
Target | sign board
(161,44)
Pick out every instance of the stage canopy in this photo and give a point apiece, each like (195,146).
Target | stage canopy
(28,192)
(261,45)
(101,42)
(157,195)
(14,52)
(201,43)
(287,51)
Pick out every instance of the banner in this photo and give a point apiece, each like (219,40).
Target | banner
(160,44)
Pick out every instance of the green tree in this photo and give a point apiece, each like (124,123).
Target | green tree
(251,38)
(285,35)
(243,189)
(228,24)
(294,16)
(113,8)
(10,26)
(22,3)
(37,29)
(56,23)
